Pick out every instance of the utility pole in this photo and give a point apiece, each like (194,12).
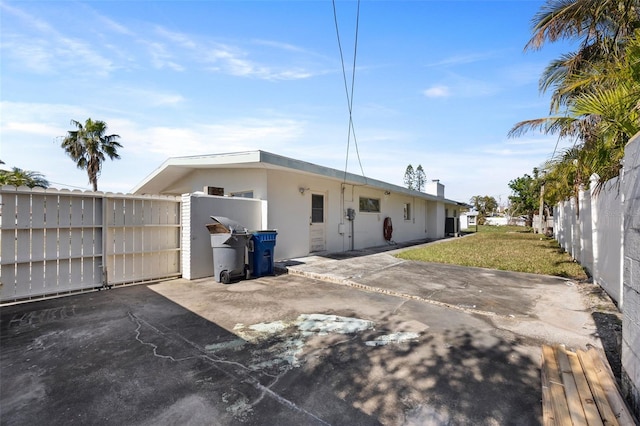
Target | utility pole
(542,228)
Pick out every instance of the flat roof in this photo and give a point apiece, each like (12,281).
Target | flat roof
(176,168)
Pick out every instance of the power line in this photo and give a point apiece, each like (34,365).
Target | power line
(86,188)
(349,94)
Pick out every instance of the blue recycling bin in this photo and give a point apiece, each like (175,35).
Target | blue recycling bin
(261,253)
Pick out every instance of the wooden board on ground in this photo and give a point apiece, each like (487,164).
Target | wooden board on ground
(578,388)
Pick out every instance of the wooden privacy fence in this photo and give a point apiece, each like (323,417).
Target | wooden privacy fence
(58,241)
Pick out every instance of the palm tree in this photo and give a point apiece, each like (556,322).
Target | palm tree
(19,177)
(89,146)
(595,89)
(601,26)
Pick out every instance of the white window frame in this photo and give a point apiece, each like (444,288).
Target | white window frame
(407,211)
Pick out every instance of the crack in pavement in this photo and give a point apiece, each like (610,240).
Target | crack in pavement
(371,289)
(244,375)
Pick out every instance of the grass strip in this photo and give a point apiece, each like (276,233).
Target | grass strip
(507,248)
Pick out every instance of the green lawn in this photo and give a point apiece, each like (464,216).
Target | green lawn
(508,248)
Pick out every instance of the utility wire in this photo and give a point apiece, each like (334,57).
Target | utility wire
(349,94)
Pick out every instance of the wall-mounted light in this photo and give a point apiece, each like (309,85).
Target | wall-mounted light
(387,192)
(301,190)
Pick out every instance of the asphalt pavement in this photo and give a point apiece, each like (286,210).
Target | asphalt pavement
(362,339)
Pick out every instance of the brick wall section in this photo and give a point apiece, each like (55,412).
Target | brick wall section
(631,275)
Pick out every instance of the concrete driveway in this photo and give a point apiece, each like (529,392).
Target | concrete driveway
(376,341)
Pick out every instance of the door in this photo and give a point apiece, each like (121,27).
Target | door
(316,224)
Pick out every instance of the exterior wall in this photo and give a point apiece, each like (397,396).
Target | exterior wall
(197,210)
(468,221)
(232,180)
(497,221)
(290,213)
(435,220)
(631,275)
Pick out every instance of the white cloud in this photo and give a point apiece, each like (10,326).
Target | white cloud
(180,39)
(200,138)
(33,128)
(160,56)
(438,91)
(49,51)
(461,59)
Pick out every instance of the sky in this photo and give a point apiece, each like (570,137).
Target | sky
(436,83)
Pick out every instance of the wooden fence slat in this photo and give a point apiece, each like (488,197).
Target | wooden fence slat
(8,217)
(64,275)
(23,280)
(23,245)
(50,276)
(38,203)
(8,288)
(23,211)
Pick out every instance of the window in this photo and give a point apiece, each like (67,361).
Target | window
(369,205)
(244,194)
(407,211)
(213,190)
(317,208)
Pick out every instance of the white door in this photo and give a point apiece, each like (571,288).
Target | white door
(316,223)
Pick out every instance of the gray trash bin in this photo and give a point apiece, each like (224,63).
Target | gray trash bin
(229,243)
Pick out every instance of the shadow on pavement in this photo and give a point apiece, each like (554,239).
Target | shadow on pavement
(460,383)
(131,356)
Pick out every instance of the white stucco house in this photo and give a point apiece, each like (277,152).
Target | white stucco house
(468,220)
(311,206)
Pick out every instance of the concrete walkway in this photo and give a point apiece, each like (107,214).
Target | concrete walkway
(539,306)
(364,340)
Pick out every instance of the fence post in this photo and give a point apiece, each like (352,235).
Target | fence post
(185,236)
(105,233)
(595,228)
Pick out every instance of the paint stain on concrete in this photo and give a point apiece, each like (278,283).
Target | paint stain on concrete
(392,338)
(239,406)
(310,324)
(276,347)
(232,344)
(289,338)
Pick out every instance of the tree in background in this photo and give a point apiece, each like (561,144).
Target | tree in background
(89,146)
(415,179)
(525,197)
(420,178)
(484,205)
(409,177)
(20,177)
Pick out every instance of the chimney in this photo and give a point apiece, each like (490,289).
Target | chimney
(435,188)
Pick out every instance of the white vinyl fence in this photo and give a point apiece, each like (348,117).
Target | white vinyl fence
(58,241)
(590,230)
(602,232)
